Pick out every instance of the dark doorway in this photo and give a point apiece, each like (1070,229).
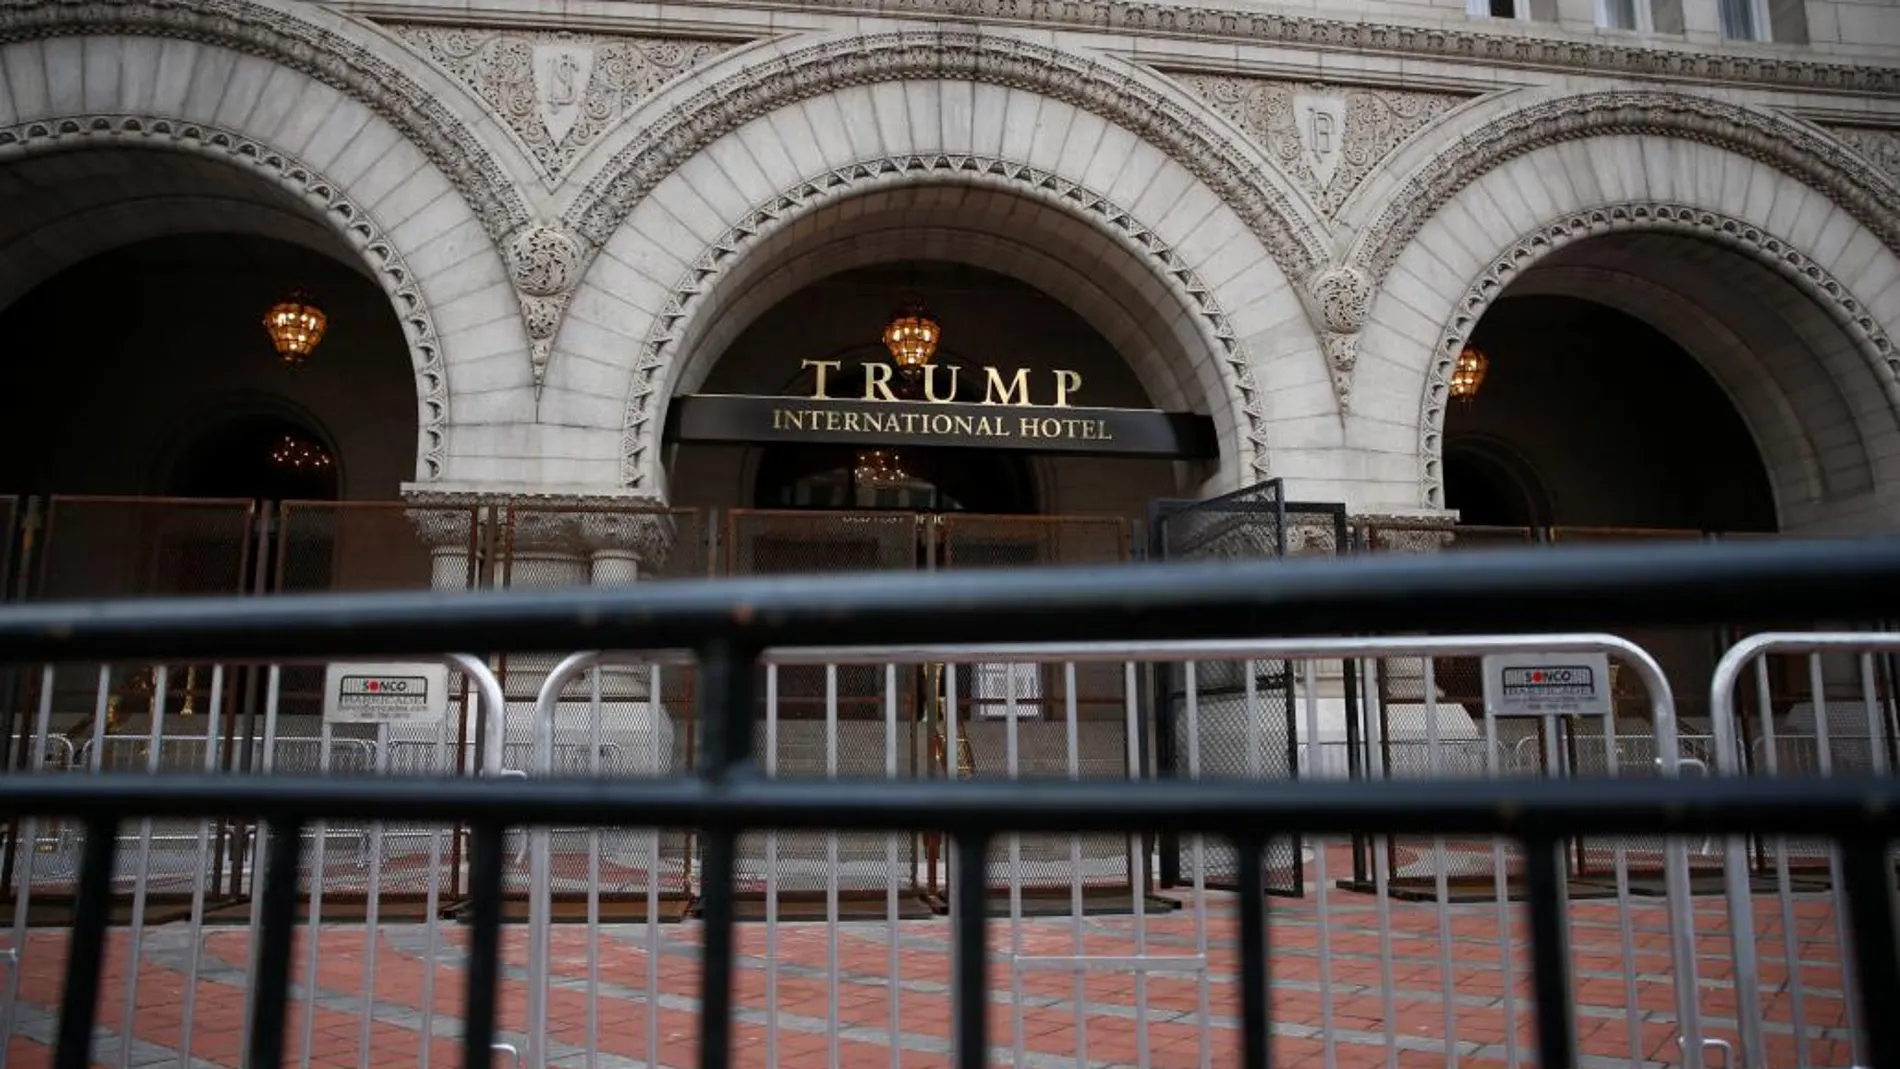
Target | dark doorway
(907,479)
(261,457)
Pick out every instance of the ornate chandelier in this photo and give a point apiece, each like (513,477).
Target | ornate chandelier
(1468,373)
(880,469)
(295,326)
(912,336)
(297,454)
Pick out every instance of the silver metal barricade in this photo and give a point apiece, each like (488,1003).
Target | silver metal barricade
(1776,750)
(1087,917)
(173,860)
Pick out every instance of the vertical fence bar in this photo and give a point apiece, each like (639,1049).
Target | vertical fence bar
(1078,931)
(1323,885)
(197,920)
(771,871)
(891,930)
(319,865)
(593,866)
(372,919)
(656,698)
(1374,703)
(1843,933)
(432,896)
(1137,864)
(1869,887)
(273,681)
(1632,1006)
(30,848)
(86,950)
(1550,953)
(270,1005)
(1784,883)
(1012,767)
(969,965)
(141,876)
(1501,891)
(1256,1038)
(833,1018)
(1441,892)
(487,848)
(726,712)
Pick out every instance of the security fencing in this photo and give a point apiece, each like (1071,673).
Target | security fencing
(1627,978)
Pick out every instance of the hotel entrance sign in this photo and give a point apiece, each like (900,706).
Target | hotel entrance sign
(1019,409)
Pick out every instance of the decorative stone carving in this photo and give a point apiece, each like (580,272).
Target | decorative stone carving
(658,347)
(1870,337)
(1343,298)
(309,187)
(1327,137)
(1435,40)
(1294,240)
(558,91)
(545,264)
(1881,147)
(1407,532)
(442,520)
(278,34)
(1794,148)
(647,536)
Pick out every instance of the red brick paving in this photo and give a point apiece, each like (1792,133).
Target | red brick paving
(1366,1031)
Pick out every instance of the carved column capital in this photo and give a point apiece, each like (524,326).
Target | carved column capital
(444,520)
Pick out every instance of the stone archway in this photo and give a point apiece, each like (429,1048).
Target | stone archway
(1774,320)
(355,186)
(1211,284)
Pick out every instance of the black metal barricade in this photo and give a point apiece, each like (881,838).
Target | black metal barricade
(729,624)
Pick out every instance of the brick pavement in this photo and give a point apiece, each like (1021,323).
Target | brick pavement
(1104,1018)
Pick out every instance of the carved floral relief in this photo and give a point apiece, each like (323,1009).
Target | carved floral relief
(1327,138)
(559,91)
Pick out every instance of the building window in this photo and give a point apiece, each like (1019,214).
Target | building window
(1497,9)
(1742,20)
(1619,14)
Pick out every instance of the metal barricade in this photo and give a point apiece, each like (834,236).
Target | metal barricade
(1055,954)
(1810,965)
(169,867)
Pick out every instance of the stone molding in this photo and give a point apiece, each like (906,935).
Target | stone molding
(1597,57)
(302,45)
(310,188)
(1120,97)
(1797,149)
(657,349)
(444,521)
(1880,146)
(576,525)
(1811,278)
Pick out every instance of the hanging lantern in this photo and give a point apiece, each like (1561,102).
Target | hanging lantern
(295,327)
(1468,373)
(912,336)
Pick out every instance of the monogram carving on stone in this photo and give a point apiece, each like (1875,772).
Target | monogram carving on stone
(1326,137)
(559,91)
(560,78)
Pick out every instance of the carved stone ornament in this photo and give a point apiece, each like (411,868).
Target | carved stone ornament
(1880,147)
(580,525)
(1342,297)
(558,91)
(545,264)
(1194,293)
(1122,97)
(1328,138)
(648,536)
(1799,150)
(1355,36)
(309,187)
(282,37)
(1869,336)
(1407,532)
(443,520)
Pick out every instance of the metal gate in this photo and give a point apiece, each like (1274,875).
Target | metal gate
(1244,710)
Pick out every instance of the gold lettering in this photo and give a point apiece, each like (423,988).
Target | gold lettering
(851,422)
(1049,428)
(822,367)
(1067,382)
(1019,384)
(877,380)
(965,425)
(831,420)
(930,384)
(778,419)
(1101,431)
(1027,427)
(941,424)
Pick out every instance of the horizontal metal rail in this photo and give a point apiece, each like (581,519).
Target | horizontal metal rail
(1461,593)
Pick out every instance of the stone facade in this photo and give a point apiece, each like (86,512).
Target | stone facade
(1291,223)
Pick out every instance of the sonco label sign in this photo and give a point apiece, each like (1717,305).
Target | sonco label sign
(385,693)
(1547,684)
